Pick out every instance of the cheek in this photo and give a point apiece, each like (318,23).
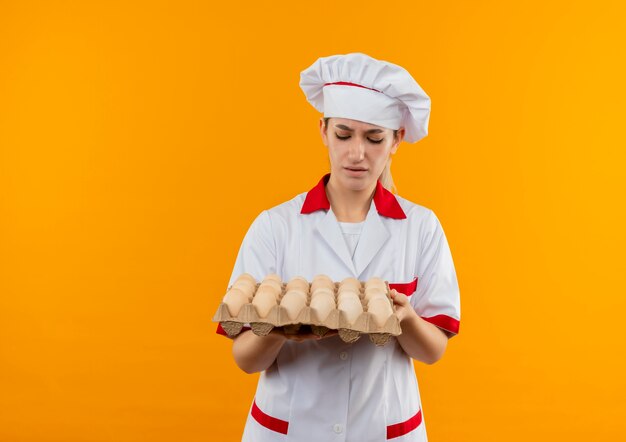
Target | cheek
(332,158)
(378,164)
(334,151)
(379,156)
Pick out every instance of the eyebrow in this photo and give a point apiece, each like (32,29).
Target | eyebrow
(371,131)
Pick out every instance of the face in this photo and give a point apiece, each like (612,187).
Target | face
(358,151)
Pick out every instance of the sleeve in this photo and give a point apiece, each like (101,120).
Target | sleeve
(257,254)
(437,298)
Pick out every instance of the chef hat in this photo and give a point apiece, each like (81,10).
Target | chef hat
(359,87)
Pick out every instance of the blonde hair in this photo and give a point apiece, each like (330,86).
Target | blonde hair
(385,177)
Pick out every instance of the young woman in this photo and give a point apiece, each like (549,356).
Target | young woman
(351,225)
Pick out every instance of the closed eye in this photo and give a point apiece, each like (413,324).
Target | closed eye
(369,139)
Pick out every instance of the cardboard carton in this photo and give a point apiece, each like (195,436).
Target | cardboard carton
(307,319)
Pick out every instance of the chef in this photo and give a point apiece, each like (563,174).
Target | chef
(350,224)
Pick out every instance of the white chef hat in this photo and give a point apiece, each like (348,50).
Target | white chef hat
(359,87)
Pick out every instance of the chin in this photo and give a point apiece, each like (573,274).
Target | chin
(356,183)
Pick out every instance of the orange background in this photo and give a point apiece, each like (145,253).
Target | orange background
(138,140)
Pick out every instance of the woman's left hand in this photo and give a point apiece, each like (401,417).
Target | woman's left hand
(420,339)
(404,310)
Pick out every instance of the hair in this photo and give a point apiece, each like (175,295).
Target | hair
(385,177)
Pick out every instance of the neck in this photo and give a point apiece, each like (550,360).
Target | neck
(349,206)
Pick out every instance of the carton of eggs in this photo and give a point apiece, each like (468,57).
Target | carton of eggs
(349,306)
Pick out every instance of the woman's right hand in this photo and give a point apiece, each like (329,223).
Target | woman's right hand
(254,353)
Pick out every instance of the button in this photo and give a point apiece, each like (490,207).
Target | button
(337,428)
(343,355)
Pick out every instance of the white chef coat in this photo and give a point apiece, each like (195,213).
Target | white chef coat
(328,390)
(351,233)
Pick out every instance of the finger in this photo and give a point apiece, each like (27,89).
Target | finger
(398,298)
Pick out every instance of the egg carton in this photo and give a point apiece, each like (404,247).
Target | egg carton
(307,317)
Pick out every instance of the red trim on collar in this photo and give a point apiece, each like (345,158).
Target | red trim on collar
(385,201)
(316,198)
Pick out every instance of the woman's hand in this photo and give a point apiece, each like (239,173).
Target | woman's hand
(254,353)
(420,339)
(404,310)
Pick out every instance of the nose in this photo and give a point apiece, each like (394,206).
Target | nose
(356,153)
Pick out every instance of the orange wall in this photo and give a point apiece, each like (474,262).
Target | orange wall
(137,143)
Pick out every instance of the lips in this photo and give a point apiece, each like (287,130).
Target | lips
(355,172)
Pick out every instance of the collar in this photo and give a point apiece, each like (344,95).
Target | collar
(385,201)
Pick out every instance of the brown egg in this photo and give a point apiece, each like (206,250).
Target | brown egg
(372,291)
(248,277)
(347,292)
(376,295)
(267,288)
(293,302)
(234,300)
(381,310)
(322,277)
(322,281)
(298,283)
(375,282)
(323,304)
(245,286)
(348,296)
(324,294)
(276,286)
(298,292)
(323,290)
(351,307)
(351,282)
(274,277)
(264,299)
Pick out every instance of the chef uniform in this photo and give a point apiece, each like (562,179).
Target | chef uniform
(327,390)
